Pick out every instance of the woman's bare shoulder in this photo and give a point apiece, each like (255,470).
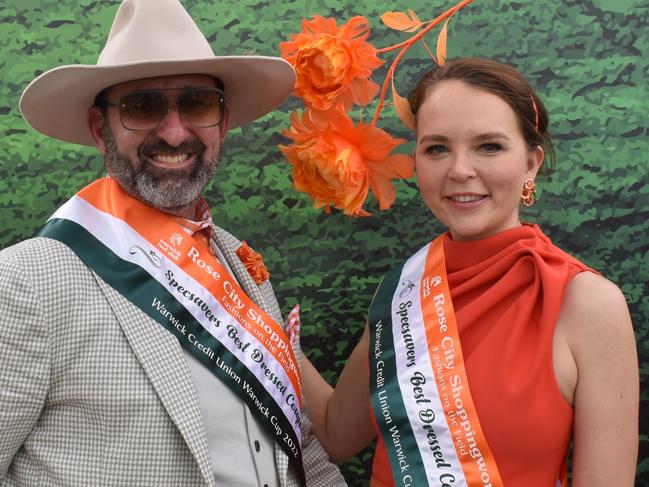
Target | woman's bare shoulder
(595,306)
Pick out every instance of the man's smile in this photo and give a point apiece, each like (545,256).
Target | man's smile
(170,159)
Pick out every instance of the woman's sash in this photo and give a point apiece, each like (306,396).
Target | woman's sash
(173,278)
(418,386)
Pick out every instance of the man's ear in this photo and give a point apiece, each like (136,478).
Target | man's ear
(96,123)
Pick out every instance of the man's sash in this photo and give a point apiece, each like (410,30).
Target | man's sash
(173,278)
(418,385)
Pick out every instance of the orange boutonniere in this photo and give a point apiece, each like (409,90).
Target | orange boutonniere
(336,161)
(253,263)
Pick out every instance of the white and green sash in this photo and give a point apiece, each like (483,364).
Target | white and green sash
(418,385)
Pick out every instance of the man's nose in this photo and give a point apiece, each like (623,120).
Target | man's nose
(173,129)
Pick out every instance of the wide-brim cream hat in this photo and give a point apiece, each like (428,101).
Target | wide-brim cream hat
(151,38)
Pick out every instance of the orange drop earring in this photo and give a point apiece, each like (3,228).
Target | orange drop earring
(529,192)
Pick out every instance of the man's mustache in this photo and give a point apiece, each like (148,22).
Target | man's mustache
(161,147)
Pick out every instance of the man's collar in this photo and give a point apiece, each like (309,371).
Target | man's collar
(202,222)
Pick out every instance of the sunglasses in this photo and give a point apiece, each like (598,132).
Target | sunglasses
(145,109)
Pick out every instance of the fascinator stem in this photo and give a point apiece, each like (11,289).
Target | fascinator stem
(404,46)
(430,26)
(384,87)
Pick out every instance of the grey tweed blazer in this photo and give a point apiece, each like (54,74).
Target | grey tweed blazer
(95,393)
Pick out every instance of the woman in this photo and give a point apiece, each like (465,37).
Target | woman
(490,348)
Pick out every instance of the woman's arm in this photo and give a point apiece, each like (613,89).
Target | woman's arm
(600,337)
(341,416)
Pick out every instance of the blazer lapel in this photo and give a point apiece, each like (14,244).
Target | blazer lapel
(261,295)
(162,359)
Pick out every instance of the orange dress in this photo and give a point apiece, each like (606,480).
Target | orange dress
(507,293)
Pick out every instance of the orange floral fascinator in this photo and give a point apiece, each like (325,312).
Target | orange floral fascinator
(333,65)
(336,162)
(253,263)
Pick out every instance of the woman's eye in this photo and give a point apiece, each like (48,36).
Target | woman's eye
(435,149)
(491,147)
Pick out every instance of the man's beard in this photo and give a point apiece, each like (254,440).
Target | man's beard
(166,190)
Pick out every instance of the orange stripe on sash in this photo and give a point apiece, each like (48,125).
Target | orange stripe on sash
(477,461)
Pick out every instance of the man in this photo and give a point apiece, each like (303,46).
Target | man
(140,344)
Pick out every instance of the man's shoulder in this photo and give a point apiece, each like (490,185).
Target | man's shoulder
(32,245)
(37,255)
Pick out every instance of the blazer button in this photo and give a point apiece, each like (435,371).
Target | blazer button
(257,448)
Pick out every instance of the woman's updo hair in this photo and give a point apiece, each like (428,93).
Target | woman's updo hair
(503,81)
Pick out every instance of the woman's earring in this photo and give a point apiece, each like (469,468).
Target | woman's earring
(529,192)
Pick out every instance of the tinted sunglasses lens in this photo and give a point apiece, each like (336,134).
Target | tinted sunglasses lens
(201,108)
(143,111)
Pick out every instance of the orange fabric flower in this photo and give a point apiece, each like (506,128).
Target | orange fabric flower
(333,64)
(336,163)
(253,263)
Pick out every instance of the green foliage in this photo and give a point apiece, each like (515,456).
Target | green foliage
(587,58)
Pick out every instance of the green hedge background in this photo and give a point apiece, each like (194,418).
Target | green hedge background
(587,58)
